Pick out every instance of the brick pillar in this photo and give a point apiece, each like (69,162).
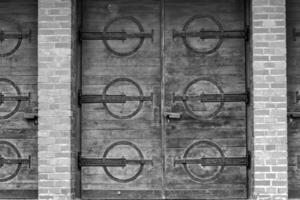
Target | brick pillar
(270,99)
(56,171)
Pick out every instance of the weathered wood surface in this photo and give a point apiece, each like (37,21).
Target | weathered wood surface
(227,67)
(21,68)
(293,74)
(100,129)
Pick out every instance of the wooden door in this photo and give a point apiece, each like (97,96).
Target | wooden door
(138,128)
(128,129)
(18,100)
(195,66)
(293,75)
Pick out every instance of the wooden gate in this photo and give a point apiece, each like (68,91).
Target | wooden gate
(164,99)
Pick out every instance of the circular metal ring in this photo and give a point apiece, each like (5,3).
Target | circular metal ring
(13,175)
(19,42)
(139,171)
(190,111)
(135,49)
(17,107)
(139,107)
(196,50)
(214,176)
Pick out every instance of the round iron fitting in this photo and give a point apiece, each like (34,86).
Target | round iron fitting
(216,173)
(18,154)
(190,46)
(140,169)
(19,40)
(133,113)
(18,92)
(214,111)
(136,48)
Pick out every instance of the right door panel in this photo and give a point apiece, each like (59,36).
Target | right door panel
(196,129)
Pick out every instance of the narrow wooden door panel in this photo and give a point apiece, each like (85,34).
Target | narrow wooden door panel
(122,130)
(293,75)
(191,69)
(18,91)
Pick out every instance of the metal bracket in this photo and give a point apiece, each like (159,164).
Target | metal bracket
(111,162)
(213,98)
(122,35)
(10,161)
(112,98)
(210,34)
(14,98)
(210,161)
(4,35)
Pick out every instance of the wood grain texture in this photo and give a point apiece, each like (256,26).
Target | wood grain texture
(293,21)
(99,129)
(21,68)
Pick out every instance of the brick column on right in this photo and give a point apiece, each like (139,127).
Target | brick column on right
(269,99)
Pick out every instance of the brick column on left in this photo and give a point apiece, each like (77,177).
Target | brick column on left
(54,96)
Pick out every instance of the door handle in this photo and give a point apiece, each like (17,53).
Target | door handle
(173,115)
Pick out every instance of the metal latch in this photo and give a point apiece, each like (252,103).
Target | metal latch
(172,115)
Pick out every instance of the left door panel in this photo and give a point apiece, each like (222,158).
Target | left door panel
(121,100)
(18,99)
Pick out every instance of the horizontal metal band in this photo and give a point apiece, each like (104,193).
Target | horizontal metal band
(209,34)
(228,161)
(14,35)
(122,35)
(112,98)
(111,162)
(214,98)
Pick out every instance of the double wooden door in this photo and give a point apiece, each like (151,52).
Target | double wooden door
(163,99)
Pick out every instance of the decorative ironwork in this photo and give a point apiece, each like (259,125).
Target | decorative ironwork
(219,161)
(17,34)
(107,162)
(114,99)
(220,34)
(18,161)
(17,98)
(217,97)
(122,35)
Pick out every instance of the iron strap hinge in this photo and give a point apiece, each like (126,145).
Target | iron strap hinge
(211,34)
(120,35)
(15,35)
(11,161)
(14,98)
(110,162)
(112,98)
(212,161)
(243,97)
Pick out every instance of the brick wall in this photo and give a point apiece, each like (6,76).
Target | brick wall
(54,95)
(270,101)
